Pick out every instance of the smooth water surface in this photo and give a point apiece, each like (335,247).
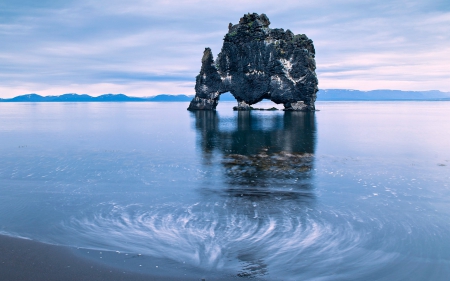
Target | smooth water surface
(355,191)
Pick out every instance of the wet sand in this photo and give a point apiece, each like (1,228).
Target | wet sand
(22,259)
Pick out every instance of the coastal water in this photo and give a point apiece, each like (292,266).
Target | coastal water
(355,191)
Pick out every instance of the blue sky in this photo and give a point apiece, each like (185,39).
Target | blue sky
(150,47)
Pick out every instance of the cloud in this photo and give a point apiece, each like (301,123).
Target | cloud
(117,46)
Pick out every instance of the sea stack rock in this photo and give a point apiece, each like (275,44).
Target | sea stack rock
(256,63)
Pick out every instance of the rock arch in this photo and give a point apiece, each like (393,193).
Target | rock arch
(258,63)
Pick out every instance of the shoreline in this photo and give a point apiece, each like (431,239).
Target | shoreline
(23,259)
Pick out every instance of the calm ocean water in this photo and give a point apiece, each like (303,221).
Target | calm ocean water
(355,191)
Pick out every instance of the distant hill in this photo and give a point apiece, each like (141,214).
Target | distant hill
(166,98)
(379,95)
(322,95)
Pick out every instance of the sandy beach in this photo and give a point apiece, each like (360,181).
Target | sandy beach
(22,259)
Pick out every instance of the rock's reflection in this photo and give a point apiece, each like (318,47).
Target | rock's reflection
(261,154)
(262,165)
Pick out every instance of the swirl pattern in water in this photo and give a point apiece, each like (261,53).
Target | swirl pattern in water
(283,237)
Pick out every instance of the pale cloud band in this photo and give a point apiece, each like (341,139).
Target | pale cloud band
(144,48)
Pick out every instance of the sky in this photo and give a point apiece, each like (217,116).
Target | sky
(151,47)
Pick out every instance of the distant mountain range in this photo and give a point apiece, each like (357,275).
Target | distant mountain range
(322,95)
(379,95)
(87,98)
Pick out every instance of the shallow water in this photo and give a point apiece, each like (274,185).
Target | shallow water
(355,191)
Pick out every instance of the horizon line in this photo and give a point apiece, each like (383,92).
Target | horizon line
(162,94)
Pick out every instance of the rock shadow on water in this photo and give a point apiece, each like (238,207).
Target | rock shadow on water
(267,152)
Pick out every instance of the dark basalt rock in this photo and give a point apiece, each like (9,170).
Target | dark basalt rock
(258,63)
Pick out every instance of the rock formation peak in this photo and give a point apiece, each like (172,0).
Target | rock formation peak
(256,63)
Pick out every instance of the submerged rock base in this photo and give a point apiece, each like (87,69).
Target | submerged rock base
(256,63)
(237,108)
